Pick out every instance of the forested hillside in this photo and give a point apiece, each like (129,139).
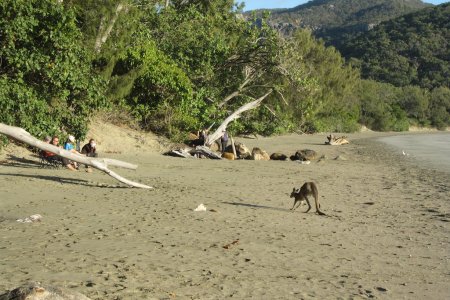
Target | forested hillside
(333,20)
(174,67)
(410,50)
(404,59)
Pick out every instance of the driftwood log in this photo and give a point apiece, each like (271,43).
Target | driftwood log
(205,151)
(233,147)
(335,141)
(194,153)
(99,163)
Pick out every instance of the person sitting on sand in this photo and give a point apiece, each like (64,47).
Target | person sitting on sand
(68,145)
(46,154)
(89,149)
(50,156)
(46,140)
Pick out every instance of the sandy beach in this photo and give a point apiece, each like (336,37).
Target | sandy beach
(386,234)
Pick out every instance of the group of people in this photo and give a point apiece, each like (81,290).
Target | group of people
(203,135)
(89,150)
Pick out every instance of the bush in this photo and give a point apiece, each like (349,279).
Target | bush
(47,83)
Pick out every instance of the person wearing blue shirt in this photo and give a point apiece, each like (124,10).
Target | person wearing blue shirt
(68,145)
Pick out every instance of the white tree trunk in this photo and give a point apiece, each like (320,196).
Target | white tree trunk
(99,163)
(233,147)
(218,133)
(103,34)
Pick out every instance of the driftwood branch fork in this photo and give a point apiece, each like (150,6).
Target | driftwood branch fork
(99,163)
(218,133)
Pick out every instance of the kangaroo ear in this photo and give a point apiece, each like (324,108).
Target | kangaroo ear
(293,190)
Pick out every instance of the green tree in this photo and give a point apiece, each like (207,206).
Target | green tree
(45,72)
(409,50)
(380,108)
(440,107)
(162,95)
(325,100)
(223,59)
(415,102)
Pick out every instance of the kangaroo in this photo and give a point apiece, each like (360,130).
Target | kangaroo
(301,194)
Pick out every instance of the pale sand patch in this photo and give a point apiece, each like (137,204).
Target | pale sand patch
(386,234)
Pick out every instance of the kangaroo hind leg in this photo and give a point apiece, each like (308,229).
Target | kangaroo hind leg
(316,200)
(309,204)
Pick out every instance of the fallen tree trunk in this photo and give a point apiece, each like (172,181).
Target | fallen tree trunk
(334,141)
(218,133)
(179,153)
(99,163)
(205,151)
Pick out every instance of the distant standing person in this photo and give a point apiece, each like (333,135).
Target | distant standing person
(203,136)
(224,140)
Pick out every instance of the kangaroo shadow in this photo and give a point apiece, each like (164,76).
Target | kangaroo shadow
(250,205)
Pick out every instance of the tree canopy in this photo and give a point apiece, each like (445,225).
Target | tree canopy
(47,83)
(409,50)
(178,66)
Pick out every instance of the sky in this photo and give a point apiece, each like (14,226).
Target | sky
(255,4)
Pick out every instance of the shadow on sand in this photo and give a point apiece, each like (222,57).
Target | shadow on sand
(257,206)
(15,161)
(64,180)
(276,208)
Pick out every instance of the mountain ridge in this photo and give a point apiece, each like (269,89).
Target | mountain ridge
(332,20)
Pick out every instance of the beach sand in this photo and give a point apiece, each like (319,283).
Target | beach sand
(386,233)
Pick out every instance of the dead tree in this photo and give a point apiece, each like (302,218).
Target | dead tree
(99,163)
(218,133)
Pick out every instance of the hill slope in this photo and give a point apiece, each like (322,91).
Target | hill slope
(410,50)
(333,19)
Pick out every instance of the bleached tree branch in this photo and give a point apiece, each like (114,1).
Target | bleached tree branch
(218,133)
(99,163)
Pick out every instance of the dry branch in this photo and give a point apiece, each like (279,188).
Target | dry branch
(218,133)
(99,163)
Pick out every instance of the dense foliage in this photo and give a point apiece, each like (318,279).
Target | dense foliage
(46,82)
(411,50)
(178,66)
(331,105)
(333,20)
(385,107)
